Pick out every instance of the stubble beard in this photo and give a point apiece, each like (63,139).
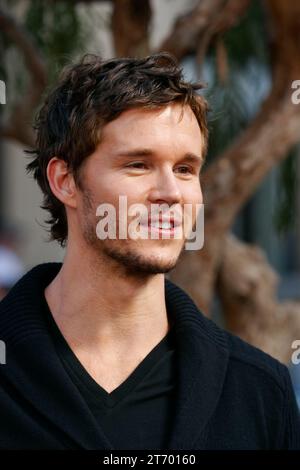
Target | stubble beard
(121,252)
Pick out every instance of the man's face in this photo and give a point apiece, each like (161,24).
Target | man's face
(151,157)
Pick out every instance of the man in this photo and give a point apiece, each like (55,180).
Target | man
(102,351)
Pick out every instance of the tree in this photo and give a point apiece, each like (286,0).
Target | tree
(240,274)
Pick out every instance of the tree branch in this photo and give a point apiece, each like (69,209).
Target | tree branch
(19,124)
(130,27)
(197,28)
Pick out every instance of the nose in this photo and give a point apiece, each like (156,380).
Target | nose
(165,188)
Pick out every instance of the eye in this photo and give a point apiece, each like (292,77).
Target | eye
(185,170)
(137,165)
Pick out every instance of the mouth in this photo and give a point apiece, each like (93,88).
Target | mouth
(161,226)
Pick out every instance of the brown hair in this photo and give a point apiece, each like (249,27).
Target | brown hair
(92,93)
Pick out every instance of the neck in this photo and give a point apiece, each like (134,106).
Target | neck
(97,307)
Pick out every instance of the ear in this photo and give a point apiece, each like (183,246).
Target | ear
(62,182)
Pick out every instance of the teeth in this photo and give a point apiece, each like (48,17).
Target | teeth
(166,225)
(163,225)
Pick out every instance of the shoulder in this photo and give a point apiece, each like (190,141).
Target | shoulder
(251,360)
(20,309)
(243,358)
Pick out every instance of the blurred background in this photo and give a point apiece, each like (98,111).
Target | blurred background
(247,52)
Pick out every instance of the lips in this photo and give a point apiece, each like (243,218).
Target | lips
(165,223)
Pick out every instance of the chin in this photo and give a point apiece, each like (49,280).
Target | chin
(139,263)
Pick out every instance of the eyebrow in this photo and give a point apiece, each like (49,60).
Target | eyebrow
(145,152)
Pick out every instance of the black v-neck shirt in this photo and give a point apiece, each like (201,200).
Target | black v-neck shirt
(138,413)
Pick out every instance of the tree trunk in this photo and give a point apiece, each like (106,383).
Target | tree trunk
(232,178)
(247,286)
(130,24)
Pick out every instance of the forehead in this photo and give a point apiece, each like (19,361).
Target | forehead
(170,122)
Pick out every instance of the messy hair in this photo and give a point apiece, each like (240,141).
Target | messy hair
(88,95)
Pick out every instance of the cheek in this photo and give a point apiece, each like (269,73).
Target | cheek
(115,185)
(120,194)
(193,194)
(105,190)
(135,190)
